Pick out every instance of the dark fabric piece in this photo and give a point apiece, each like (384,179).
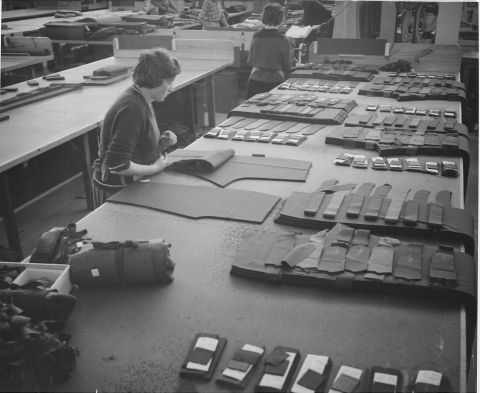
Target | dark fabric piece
(395,208)
(435,215)
(334,205)
(421,196)
(312,380)
(357,258)
(231,121)
(345,383)
(373,208)
(268,368)
(208,202)
(333,259)
(442,266)
(382,191)
(345,235)
(411,212)
(458,224)
(361,237)
(266,249)
(306,273)
(409,261)
(184,371)
(317,197)
(312,129)
(241,360)
(381,259)
(236,365)
(382,387)
(246,356)
(253,167)
(355,205)
(198,161)
(200,356)
(444,197)
(314,204)
(298,254)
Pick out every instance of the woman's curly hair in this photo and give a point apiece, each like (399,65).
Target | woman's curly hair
(272,14)
(153,67)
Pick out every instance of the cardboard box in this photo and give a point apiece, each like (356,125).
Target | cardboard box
(58,274)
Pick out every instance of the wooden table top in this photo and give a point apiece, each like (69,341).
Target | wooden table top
(38,127)
(135,338)
(10,63)
(20,27)
(25,13)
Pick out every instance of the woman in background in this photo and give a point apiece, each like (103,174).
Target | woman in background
(269,54)
(212,14)
(131,145)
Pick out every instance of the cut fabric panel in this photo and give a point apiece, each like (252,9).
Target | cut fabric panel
(209,202)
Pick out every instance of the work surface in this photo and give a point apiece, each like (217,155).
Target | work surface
(26,13)
(38,127)
(19,27)
(135,338)
(10,63)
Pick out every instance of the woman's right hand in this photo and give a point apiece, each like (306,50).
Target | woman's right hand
(161,163)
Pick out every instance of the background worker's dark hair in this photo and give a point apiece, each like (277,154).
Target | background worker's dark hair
(153,67)
(272,14)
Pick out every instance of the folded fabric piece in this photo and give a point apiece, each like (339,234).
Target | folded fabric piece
(240,369)
(111,70)
(312,375)
(280,365)
(198,161)
(443,271)
(203,356)
(222,167)
(209,202)
(384,380)
(413,220)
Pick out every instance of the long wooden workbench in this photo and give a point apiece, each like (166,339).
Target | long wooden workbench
(41,126)
(136,338)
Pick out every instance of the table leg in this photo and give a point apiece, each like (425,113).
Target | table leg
(210,100)
(9,217)
(86,162)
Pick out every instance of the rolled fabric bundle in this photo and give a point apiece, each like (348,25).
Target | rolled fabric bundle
(127,263)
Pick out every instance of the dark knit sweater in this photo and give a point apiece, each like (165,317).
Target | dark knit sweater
(129,133)
(269,53)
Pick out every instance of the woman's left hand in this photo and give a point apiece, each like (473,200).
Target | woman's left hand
(171,138)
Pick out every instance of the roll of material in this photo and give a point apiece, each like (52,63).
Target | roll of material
(127,263)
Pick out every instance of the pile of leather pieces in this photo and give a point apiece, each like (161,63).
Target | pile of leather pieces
(35,354)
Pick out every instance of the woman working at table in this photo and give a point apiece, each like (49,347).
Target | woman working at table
(130,143)
(269,54)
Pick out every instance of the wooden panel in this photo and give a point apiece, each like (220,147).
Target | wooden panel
(30,43)
(186,49)
(204,49)
(239,38)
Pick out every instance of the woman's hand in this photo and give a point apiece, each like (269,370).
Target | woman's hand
(167,139)
(161,163)
(171,137)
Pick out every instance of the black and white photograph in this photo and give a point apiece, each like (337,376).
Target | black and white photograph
(228,196)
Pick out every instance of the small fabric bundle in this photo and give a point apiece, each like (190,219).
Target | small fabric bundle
(129,263)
